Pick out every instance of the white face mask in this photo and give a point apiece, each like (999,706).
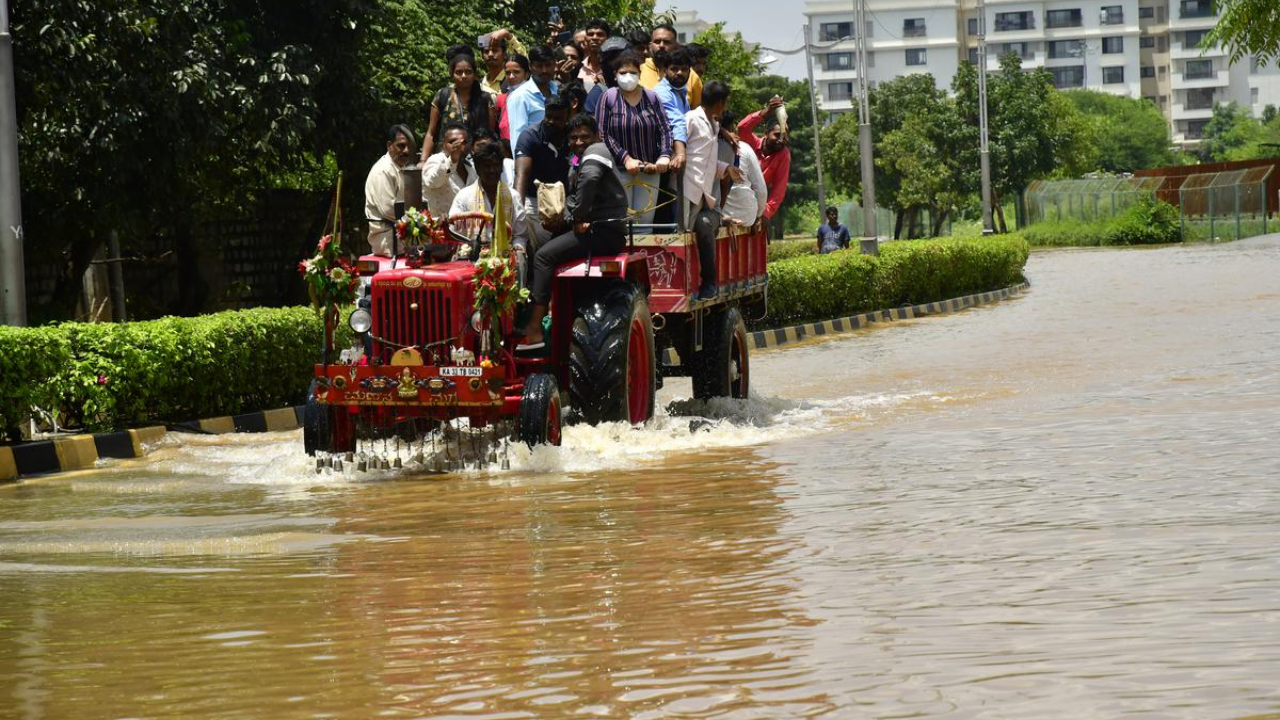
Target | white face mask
(628,81)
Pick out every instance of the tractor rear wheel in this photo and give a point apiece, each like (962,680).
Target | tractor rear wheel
(613,375)
(723,367)
(540,411)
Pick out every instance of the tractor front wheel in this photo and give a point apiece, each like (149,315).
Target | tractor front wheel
(540,411)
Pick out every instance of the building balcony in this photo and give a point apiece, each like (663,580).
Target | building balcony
(1185,112)
(1220,78)
(1178,52)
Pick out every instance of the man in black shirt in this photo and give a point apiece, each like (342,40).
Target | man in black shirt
(596,205)
(542,157)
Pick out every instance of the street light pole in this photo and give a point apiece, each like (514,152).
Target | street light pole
(813,107)
(984,154)
(869,243)
(13,292)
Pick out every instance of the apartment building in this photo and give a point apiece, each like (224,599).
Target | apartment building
(1139,48)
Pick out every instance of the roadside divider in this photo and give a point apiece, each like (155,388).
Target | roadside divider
(82,452)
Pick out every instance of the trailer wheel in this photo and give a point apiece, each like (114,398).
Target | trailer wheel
(613,375)
(540,411)
(723,367)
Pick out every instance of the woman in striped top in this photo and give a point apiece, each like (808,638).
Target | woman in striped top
(634,126)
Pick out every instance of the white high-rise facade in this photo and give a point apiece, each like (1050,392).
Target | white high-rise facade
(1138,48)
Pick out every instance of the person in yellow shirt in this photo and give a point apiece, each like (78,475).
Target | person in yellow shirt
(663,38)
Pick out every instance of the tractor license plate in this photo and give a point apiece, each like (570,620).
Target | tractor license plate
(461,372)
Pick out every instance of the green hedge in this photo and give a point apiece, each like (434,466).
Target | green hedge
(105,376)
(844,283)
(787,249)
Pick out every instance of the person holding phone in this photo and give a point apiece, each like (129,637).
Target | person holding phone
(498,47)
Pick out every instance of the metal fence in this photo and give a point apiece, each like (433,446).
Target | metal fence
(1212,206)
(1087,199)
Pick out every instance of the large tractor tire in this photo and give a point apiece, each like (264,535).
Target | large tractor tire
(723,367)
(540,411)
(613,373)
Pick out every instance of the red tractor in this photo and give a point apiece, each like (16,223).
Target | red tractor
(424,376)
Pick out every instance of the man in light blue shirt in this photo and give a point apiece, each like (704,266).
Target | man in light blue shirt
(672,92)
(526,105)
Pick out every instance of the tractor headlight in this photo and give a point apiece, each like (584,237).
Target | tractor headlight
(360,321)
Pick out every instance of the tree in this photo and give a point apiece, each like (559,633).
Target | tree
(921,146)
(1129,134)
(730,60)
(1228,132)
(1032,132)
(1247,27)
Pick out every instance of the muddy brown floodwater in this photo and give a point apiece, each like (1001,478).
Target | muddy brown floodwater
(1061,506)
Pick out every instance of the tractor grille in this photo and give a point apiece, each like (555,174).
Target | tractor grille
(405,317)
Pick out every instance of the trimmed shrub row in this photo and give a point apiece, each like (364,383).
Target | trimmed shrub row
(820,287)
(107,376)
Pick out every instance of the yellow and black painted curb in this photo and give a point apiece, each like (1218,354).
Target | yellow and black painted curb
(764,339)
(80,452)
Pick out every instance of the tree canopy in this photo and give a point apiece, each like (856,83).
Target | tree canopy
(1129,134)
(1248,27)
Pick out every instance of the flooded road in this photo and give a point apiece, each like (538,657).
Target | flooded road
(1061,506)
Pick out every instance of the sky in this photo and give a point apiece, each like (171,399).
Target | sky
(772,23)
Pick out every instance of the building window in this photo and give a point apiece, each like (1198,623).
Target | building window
(1010,21)
(1199,99)
(1149,98)
(1192,38)
(681,38)
(1196,9)
(1162,70)
(1063,18)
(1195,129)
(1160,14)
(840,91)
(915,56)
(1164,100)
(1068,77)
(1198,70)
(1113,75)
(1112,45)
(1147,42)
(973,26)
(913,27)
(837,61)
(1060,49)
(1148,71)
(1021,49)
(1146,12)
(1112,15)
(1253,96)
(1162,45)
(835,31)
(973,56)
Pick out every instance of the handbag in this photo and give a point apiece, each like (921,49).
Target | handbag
(551,199)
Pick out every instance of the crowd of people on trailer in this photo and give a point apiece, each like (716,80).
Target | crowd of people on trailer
(629,126)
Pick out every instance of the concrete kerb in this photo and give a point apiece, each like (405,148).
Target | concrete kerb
(79,452)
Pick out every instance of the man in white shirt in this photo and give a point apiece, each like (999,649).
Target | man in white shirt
(702,174)
(383,187)
(482,194)
(447,172)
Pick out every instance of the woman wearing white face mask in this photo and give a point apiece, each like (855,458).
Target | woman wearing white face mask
(634,126)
